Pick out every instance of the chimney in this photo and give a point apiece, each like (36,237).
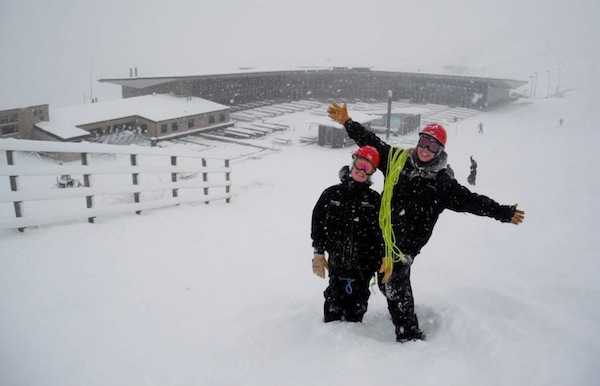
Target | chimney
(136,72)
(130,72)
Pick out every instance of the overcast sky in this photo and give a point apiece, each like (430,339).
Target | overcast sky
(51,49)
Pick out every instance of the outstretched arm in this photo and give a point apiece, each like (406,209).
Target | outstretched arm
(461,199)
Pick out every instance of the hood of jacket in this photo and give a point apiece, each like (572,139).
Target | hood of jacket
(424,169)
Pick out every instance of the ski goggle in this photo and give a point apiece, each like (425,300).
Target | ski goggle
(364,165)
(430,144)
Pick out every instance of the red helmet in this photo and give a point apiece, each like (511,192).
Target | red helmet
(369,153)
(437,131)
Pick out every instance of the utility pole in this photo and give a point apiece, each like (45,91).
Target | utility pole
(558,83)
(389,114)
(91,97)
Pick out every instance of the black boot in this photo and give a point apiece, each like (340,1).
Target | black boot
(405,320)
(408,334)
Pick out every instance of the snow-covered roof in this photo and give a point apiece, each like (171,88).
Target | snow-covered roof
(157,107)
(62,131)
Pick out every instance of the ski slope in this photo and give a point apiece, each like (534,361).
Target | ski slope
(223,294)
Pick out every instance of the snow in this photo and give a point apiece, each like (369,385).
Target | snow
(223,294)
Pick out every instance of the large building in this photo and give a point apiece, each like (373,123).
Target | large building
(167,107)
(339,83)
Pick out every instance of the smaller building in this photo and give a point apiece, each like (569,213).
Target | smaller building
(159,116)
(19,122)
(400,124)
(334,135)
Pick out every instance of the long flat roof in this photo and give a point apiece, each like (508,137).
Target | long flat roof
(143,82)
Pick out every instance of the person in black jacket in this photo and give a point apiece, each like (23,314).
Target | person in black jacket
(473,174)
(417,188)
(344,224)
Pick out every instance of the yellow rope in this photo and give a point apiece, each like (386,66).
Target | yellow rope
(396,159)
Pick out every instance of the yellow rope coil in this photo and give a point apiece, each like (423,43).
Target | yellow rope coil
(396,159)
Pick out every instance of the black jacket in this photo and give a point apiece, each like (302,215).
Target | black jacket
(345,223)
(422,192)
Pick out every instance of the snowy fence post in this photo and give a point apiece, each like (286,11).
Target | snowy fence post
(227,179)
(174,175)
(13,185)
(134,178)
(86,182)
(205,179)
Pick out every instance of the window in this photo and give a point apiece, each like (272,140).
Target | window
(222,118)
(211,119)
(8,129)
(190,123)
(163,128)
(174,126)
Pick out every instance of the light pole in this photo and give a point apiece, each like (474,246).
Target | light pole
(389,114)
(531,86)
(548,92)
(558,83)
(535,83)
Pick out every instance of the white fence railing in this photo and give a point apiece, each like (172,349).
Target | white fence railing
(137,178)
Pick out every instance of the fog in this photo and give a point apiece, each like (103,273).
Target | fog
(53,51)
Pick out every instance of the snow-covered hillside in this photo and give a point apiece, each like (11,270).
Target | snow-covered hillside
(223,294)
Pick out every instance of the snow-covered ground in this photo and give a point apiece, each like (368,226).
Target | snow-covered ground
(223,294)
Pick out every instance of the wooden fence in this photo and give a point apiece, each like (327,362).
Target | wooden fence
(134,172)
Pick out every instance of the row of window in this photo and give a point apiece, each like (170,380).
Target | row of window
(9,129)
(9,118)
(164,128)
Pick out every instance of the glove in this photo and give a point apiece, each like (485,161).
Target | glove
(338,113)
(407,260)
(387,266)
(319,264)
(518,216)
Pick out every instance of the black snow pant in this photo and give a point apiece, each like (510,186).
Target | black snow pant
(346,299)
(401,304)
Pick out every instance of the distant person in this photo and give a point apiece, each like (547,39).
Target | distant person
(480,128)
(416,190)
(344,225)
(473,174)
(560,122)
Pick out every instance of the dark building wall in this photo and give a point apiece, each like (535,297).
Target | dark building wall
(337,84)
(179,125)
(19,123)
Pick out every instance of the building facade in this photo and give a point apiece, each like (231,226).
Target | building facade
(338,83)
(20,122)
